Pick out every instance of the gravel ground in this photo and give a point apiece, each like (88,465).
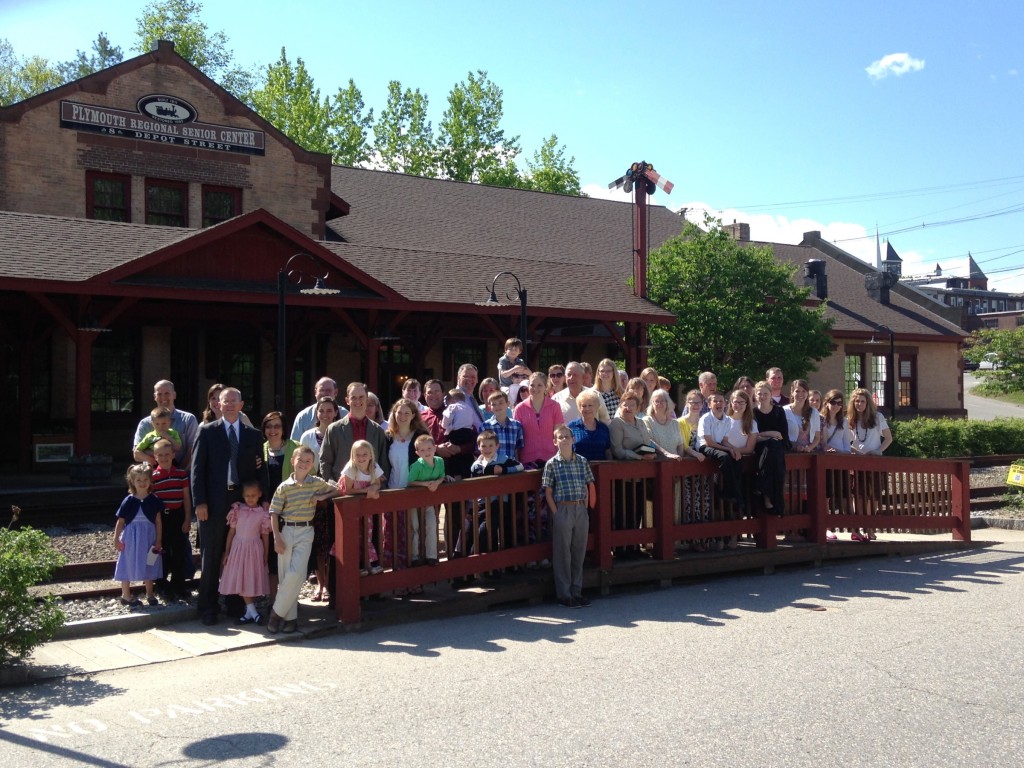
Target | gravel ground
(95,543)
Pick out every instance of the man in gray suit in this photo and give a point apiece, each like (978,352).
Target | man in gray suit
(337,446)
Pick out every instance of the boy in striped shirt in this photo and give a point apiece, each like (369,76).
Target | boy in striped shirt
(171,486)
(291,521)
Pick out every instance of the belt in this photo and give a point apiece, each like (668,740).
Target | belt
(232,487)
(571,501)
(303,524)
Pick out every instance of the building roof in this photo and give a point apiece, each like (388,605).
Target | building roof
(572,253)
(67,249)
(849,305)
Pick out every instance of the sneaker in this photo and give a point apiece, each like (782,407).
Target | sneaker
(582,602)
(830,536)
(375,569)
(855,536)
(152,601)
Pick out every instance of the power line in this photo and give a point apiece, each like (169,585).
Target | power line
(919,191)
(948,222)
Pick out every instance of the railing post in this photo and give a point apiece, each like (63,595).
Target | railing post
(962,501)
(817,500)
(347,579)
(664,510)
(603,514)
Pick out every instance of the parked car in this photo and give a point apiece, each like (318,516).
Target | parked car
(990,362)
(970,365)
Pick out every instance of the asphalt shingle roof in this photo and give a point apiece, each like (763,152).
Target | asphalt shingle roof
(65,249)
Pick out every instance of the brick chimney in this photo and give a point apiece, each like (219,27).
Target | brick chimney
(740,232)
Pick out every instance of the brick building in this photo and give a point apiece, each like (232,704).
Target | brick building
(145,217)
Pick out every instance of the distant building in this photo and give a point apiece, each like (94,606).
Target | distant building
(969,295)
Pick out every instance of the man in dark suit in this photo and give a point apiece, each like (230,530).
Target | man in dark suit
(227,455)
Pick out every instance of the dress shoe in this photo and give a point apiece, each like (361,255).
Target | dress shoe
(582,602)
(292,625)
(209,619)
(274,623)
(567,602)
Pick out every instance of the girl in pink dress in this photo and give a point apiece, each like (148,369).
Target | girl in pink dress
(244,568)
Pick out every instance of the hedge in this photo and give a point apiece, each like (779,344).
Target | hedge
(942,438)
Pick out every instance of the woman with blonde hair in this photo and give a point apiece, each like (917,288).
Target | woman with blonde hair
(869,436)
(608,385)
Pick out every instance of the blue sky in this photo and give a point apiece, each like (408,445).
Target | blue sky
(760,112)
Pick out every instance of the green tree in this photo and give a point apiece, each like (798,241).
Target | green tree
(472,145)
(180,22)
(738,310)
(1004,348)
(403,137)
(24,77)
(550,171)
(350,131)
(103,55)
(288,99)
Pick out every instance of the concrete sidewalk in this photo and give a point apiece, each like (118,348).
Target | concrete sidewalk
(181,636)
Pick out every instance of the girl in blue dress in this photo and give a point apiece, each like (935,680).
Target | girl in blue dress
(137,534)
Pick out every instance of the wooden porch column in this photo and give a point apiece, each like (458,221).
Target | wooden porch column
(83,391)
(373,364)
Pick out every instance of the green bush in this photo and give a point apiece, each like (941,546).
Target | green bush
(941,438)
(26,558)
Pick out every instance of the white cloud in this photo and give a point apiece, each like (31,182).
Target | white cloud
(855,239)
(1012,73)
(895,64)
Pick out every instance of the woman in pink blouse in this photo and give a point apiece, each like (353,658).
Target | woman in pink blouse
(538,414)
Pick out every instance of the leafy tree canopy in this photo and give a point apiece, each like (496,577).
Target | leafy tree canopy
(403,137)
(472,145)
(180,21)
(1008,348)
(550,171)
(24,77)
(103,55)
(738,310)
(288,99)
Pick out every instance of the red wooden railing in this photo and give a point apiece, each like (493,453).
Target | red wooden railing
(492,523)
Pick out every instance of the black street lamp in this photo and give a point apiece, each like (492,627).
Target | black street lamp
(520,293)
(319,289)
(890,395)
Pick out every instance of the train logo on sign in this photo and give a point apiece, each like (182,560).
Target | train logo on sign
(167,109)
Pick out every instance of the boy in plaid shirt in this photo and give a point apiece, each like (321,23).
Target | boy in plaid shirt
(508,431)
(568,484)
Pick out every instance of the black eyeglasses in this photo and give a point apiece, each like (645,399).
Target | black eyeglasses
(836,401)
(556,375)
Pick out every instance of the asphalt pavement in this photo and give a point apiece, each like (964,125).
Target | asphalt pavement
(984,408)
(902,661)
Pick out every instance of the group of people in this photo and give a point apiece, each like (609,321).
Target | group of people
(258,493)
